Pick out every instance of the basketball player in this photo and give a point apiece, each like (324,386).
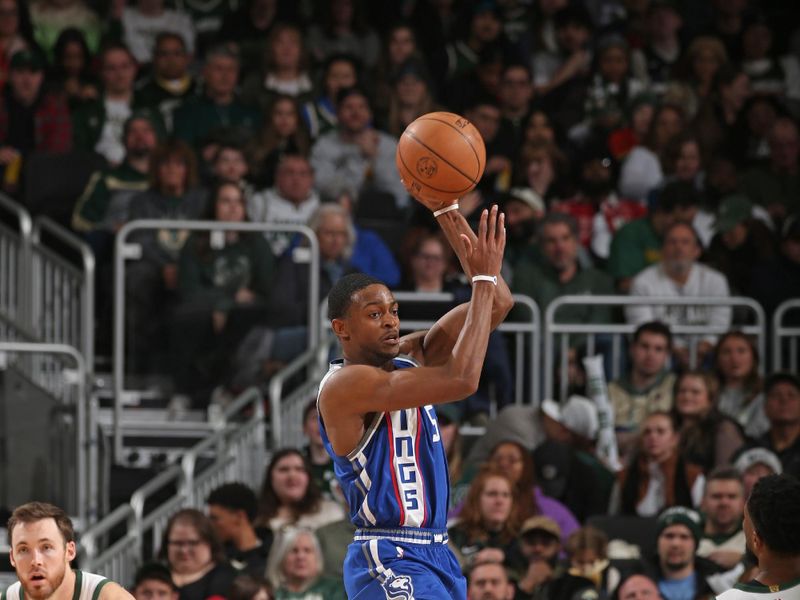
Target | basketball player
(42,546)
(378,424)
(772,531)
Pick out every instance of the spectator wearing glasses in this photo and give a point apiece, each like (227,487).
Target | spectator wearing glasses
(195,557)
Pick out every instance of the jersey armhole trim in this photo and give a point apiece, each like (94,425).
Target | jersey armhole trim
(365,439)
(98,589)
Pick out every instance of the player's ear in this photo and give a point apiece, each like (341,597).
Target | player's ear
(11,558)
(71,551)
(340,328)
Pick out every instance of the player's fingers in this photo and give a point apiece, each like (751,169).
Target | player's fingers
(482,225)
(501,232)
(468,247)
(493,222)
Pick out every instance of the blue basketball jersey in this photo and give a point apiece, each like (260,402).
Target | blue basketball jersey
(397,475)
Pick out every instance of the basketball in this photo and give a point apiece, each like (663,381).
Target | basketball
(440,157)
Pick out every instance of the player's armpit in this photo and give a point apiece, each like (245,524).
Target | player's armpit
(114,591)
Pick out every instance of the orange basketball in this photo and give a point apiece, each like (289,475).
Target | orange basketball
(440,157)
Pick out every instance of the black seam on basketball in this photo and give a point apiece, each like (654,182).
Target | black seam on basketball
(432,151)
(461,133)
(415,178)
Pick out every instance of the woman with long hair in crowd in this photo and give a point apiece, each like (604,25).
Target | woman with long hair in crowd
(741,384)
(290,497)
(411,97)
(295,566)
(339,72)
(72,68)
(708,438)
(283,133)
(488,524)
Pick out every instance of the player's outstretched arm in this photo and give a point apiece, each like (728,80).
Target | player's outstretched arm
(434,346)
(352,392)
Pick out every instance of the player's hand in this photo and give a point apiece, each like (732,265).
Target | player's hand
(486,257)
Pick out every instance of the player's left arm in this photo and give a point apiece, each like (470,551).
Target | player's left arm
(432,347)
(114,591)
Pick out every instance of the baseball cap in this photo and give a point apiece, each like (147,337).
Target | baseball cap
(27,59)
(578,414)
(680,515)
(733,209)
(758,456)
(527,196)
(541,523)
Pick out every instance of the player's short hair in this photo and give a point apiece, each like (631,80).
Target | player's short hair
(33,512)
(341,295)
(774,509)
(655,327)
(154,571)
(235,496)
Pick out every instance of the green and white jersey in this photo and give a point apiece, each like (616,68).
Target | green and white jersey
(87,587)
(757,591)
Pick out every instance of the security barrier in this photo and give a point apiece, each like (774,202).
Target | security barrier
(786,338)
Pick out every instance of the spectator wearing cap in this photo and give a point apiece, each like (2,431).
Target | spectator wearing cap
(657,476)
(679,275)
(782,405)
(154,580)
(755,463)
(566,463)
(218,110)
(32,119)
(776,186)
(524,210)
(778,280)
(144,20)
(739,244)
(646,387)
(544,575)
(411,97)
(170,83)
(723,539)
(678,571)
(560,272)
(600,212)
(357,157)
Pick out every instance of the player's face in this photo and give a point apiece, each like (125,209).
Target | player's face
(40,557)
(187,553)
(489,582)
(373,323)
(290,479)
(301,561)
(153,589)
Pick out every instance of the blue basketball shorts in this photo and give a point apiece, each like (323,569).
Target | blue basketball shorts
(402,564)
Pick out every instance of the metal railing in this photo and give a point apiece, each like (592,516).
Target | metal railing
(235,452)
(127,251)
(785,338)
(16,227)
(286,412)
(553,329)
(71,391)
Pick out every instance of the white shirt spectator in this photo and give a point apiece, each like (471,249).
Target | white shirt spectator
(140,31)
(702,282)
(268,206)
(641,172)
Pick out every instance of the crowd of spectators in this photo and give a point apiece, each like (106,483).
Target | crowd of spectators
(646,147)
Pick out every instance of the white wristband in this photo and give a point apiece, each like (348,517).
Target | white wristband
(446,209)
(489,278)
